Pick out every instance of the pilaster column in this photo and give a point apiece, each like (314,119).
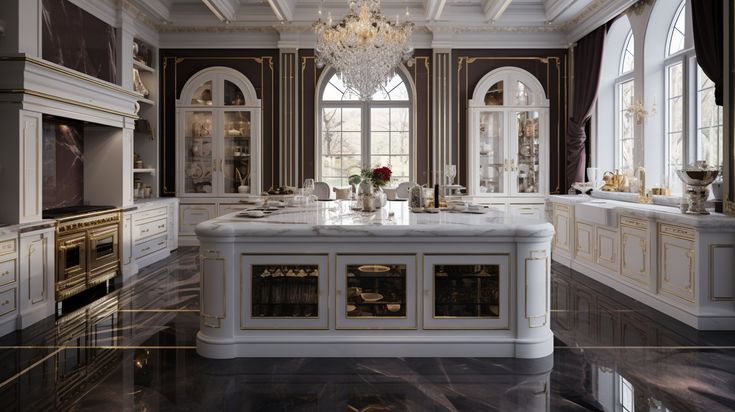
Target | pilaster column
(288,115)
(442,113)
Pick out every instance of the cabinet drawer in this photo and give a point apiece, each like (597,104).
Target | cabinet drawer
(190,215)
(159,211)
(7,246)
(7,302)
(225,208)
(633,222)
(149,246)
(7,272)
(561,208)
(151,228)
(527,210)
(678,231)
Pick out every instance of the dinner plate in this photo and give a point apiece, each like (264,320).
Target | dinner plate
(371,297)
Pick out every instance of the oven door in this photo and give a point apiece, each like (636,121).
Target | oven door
(71,264)
(104,253)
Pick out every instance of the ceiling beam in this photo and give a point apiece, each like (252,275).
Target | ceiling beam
(223,10)
(434,9)
(555,8)
(493,9)
(283,9)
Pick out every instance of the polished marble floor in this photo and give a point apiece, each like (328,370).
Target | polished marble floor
(132,349)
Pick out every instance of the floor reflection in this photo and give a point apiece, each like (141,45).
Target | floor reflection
(133,349)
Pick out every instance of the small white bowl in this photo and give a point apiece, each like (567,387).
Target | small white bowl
(254,213)
(393,307)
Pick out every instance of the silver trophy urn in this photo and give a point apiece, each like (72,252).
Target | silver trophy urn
(697,176)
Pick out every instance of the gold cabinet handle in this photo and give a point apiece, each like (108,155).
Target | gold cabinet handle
(6,273)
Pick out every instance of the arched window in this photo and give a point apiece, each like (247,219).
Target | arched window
(624,98)
(677,56)
(355,134)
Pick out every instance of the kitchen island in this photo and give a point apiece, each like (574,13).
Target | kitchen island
(326,281)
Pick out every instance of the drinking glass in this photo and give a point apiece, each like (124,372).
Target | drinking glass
(308,188)
(450,172)
(592,176)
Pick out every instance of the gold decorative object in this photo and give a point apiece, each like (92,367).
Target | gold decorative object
(639,112)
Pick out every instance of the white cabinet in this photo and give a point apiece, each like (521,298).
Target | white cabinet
(190,215)
(677,265)
(466,292)
(606,248)
(532,210)
(635,250)
(150,233)
(8,283)
(585,241)
(376,292)
(218,129)
(508,147)
(36,274)
(562,222)
(21,164)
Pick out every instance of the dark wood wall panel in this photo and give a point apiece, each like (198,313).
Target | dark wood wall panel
(259,66)
(549,67)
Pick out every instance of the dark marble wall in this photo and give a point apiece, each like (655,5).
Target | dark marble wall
(76,39)
(63,163)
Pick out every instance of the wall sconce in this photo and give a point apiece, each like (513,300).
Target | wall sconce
(639,112)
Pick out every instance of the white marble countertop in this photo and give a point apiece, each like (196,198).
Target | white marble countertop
(335,219)
(665,213)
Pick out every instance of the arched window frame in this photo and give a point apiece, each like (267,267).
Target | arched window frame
(624,97)
(365,120)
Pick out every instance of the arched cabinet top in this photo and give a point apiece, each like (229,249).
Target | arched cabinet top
(508,87)
(218,87)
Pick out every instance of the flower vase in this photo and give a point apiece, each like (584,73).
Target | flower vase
(380,197)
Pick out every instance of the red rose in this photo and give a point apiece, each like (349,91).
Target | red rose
(382,174)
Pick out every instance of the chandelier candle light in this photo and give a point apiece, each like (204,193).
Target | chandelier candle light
(365,47)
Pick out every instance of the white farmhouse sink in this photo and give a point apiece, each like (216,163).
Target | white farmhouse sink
(598,212)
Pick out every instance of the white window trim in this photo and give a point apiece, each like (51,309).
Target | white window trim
(622,78)
(365,107)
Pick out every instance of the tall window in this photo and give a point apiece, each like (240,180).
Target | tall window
(688,90)
(357,134)
(624,96)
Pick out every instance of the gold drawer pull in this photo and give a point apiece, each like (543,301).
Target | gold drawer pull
(145,231)
(161,226)
(146,249)
(6,273)
(161,243)
(7,302)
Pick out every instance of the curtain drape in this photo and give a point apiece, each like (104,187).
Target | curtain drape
(587,64)
(708,40)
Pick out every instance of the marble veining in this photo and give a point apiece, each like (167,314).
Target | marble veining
(63,163)
(394,220)
(146,361)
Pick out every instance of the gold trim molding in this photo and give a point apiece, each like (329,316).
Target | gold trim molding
(68,101)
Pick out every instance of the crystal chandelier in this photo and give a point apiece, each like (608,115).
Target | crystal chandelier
(365,47)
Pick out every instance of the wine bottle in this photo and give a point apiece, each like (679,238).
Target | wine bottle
(436,195)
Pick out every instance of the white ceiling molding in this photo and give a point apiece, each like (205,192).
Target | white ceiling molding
(594,16)
(157,9)
(493,9)
(283,9)
(555,8)
(223,10)
(434,9)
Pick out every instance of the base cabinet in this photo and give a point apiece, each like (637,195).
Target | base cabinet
(150,234)
(634,250)
(36,297)
(606,248)
(585,241)
(194,213)
(561,222)
(677,267)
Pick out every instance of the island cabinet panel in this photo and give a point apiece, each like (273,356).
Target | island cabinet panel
(376,292)
(606,248)
(466,292)
(561,227)
(678,267)
(284,291)
(584,241)
(634,250)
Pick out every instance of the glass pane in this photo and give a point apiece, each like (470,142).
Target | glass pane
(677,36)
(376,291)
(709,122)
(285,291)
(522,94)
(380,119)
(494,96)
(491,153)
(528,152)
(236,167)
(203,95)
(628,59)
(341,144)
(466,291)
(336,90)
(233,95)
(198,152)
(625,126)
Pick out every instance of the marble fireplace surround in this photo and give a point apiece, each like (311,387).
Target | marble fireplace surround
(107,111)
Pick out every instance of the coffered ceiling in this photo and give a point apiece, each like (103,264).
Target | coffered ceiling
(555,20)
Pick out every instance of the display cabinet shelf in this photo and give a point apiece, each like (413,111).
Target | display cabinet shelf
(142,66)
(150,171)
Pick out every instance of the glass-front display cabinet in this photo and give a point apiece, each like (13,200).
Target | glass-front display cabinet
(284,292)
(466,292)
(508,145)
(376,292)
(218,127)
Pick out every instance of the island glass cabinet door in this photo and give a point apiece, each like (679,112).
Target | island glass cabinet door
(284,292)
(376,292)
(466,292)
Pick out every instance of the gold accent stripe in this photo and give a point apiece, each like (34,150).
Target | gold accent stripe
(68,101)
(38,362)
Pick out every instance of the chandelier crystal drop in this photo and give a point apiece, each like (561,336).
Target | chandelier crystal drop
(365,48)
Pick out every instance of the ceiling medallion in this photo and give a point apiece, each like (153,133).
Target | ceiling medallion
(365,47)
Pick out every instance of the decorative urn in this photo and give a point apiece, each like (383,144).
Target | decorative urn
(697,176)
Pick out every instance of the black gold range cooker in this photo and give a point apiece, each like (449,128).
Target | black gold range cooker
(87,247)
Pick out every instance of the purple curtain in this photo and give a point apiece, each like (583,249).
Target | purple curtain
(587,63)
(708,40)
